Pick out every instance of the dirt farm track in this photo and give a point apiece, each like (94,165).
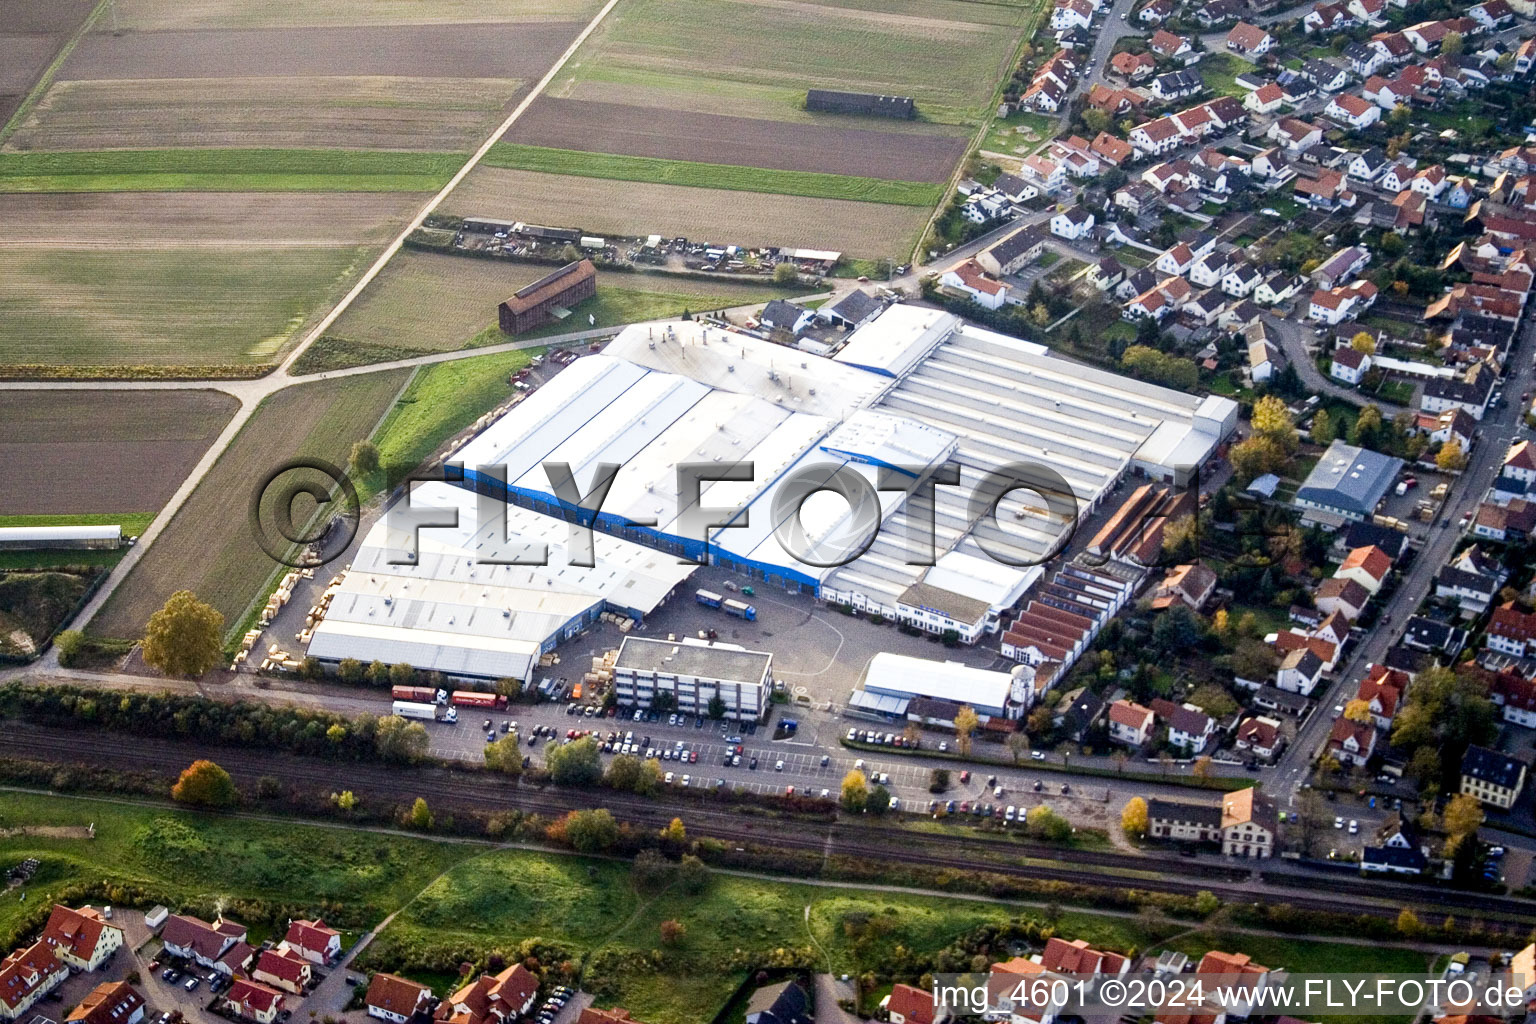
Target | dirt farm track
(746,141)
(636,209)
(113,452)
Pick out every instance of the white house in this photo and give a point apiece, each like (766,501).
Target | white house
(1074,224)
(1241,281)
(1130,723)
(969,278)
(1266,99)
(1349,366)
(1353,111)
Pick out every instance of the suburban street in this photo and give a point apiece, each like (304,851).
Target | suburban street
(1499,428)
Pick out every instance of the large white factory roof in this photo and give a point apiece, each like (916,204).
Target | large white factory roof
(664,395)
(456,613)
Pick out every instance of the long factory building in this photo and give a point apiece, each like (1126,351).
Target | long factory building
(912,391)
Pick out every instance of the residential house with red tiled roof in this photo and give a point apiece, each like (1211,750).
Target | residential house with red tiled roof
(1130,723)
(282,969)
(195,939)
(971,280)
(1239,973)
(1352,742)
(908,1004)
(1249,40)
(395,999)
(492,1000)
(1188,726)
(111,1002)
(254,1001)
(1077,957)
(313,941)
(26,976)
(82,939)
(1367,566)
(1260,736)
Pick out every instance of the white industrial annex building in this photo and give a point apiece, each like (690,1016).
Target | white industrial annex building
(913,389)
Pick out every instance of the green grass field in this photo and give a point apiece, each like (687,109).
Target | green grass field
(227,170)
(441,400)
(196,859)
(209,547)
(198,305)
(740,179)
(466,902)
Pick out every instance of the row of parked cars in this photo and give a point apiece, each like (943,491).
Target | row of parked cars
(187,977)
(886,739)
(558,997)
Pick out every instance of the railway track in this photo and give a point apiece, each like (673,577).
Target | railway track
(449,788)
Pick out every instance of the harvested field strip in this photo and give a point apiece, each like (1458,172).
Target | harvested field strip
(101,452)
(227,170)
(949,65)
(636,209)
(463,293)
(146,15)
(117,219)
(497,50)
(826,147)
(208,547)
(181,307)
(811,184)
(368,113)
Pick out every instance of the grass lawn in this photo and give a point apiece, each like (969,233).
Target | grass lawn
(227,170)
(1219,71)
(1049,258)
(441,400)
(1018,134)
(740,179)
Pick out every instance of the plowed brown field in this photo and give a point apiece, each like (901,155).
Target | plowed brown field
(745,141)
(112,452)
(634,209)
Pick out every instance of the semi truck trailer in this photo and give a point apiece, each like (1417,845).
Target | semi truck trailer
(423,712)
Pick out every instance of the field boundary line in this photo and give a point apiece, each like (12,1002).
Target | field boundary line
(45,80)
(433,203)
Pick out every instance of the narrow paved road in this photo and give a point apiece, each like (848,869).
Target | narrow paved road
(1293,342)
